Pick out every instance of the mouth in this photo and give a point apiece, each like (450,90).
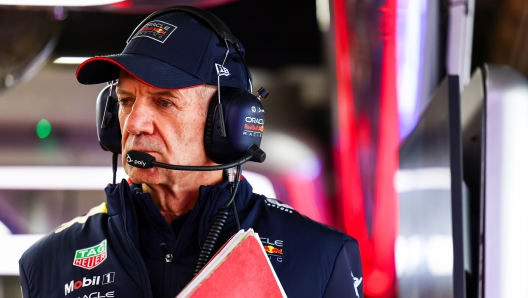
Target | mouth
(148,151)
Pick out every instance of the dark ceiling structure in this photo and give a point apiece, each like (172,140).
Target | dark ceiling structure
(274,33)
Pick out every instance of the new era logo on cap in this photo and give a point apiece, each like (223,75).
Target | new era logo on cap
(221,71)
(157,30)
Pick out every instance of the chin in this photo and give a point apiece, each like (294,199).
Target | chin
(139,176)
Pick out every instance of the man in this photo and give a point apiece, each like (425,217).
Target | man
(146,239)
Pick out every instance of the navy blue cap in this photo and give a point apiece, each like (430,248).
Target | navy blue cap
(173,50)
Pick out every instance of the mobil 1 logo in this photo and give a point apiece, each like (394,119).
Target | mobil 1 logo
(97,280)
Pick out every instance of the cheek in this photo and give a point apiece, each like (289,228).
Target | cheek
(124,162)
(192,134)
(124,133)
(122,118)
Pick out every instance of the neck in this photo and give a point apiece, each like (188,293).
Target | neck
(177,199)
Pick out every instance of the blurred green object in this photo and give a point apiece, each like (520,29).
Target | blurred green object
(43,128)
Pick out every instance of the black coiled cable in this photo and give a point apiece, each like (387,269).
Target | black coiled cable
(212,236)
(218,224)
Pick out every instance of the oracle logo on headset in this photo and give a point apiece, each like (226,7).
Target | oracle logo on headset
(255,120)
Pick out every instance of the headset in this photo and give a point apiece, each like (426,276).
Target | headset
(232,135)
(234,124)
(227,139)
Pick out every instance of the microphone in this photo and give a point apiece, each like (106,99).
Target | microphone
(144,160)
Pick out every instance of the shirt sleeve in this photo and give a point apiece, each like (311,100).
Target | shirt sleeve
(23,281)
(346,279)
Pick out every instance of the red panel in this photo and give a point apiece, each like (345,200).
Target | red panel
(378,249)
(386,201)
(347,162)
(307,197)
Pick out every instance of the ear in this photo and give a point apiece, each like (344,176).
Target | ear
(244,125)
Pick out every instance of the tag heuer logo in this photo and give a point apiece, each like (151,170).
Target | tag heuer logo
(90,257)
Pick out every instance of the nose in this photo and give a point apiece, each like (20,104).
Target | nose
(139,120)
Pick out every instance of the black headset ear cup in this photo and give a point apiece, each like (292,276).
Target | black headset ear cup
(107,121)
(244,124)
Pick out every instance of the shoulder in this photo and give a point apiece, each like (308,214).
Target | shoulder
(296,244)
(87,251)
(285,214)
(346,278)
(52,248)
(276,218)
(97,210)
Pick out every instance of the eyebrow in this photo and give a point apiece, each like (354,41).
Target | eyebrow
(164,92)
(124,92)
(160,92)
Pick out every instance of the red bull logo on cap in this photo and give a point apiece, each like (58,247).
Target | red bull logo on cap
(159,30)
(156,30)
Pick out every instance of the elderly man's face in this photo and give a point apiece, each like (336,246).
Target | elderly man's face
(166,123)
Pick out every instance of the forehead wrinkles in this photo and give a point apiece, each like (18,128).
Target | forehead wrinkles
(198,96)
(204,94)
(178,97)
(182,98)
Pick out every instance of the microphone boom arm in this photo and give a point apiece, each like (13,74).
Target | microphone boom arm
(144,160)
(203,168)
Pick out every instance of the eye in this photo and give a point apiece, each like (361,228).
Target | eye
(164,103)
(125,104)
(124,101)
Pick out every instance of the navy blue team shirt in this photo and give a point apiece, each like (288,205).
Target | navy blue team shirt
(121,248)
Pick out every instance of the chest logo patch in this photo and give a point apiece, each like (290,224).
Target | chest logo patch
(90,257)
(270,249)
(274,249)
